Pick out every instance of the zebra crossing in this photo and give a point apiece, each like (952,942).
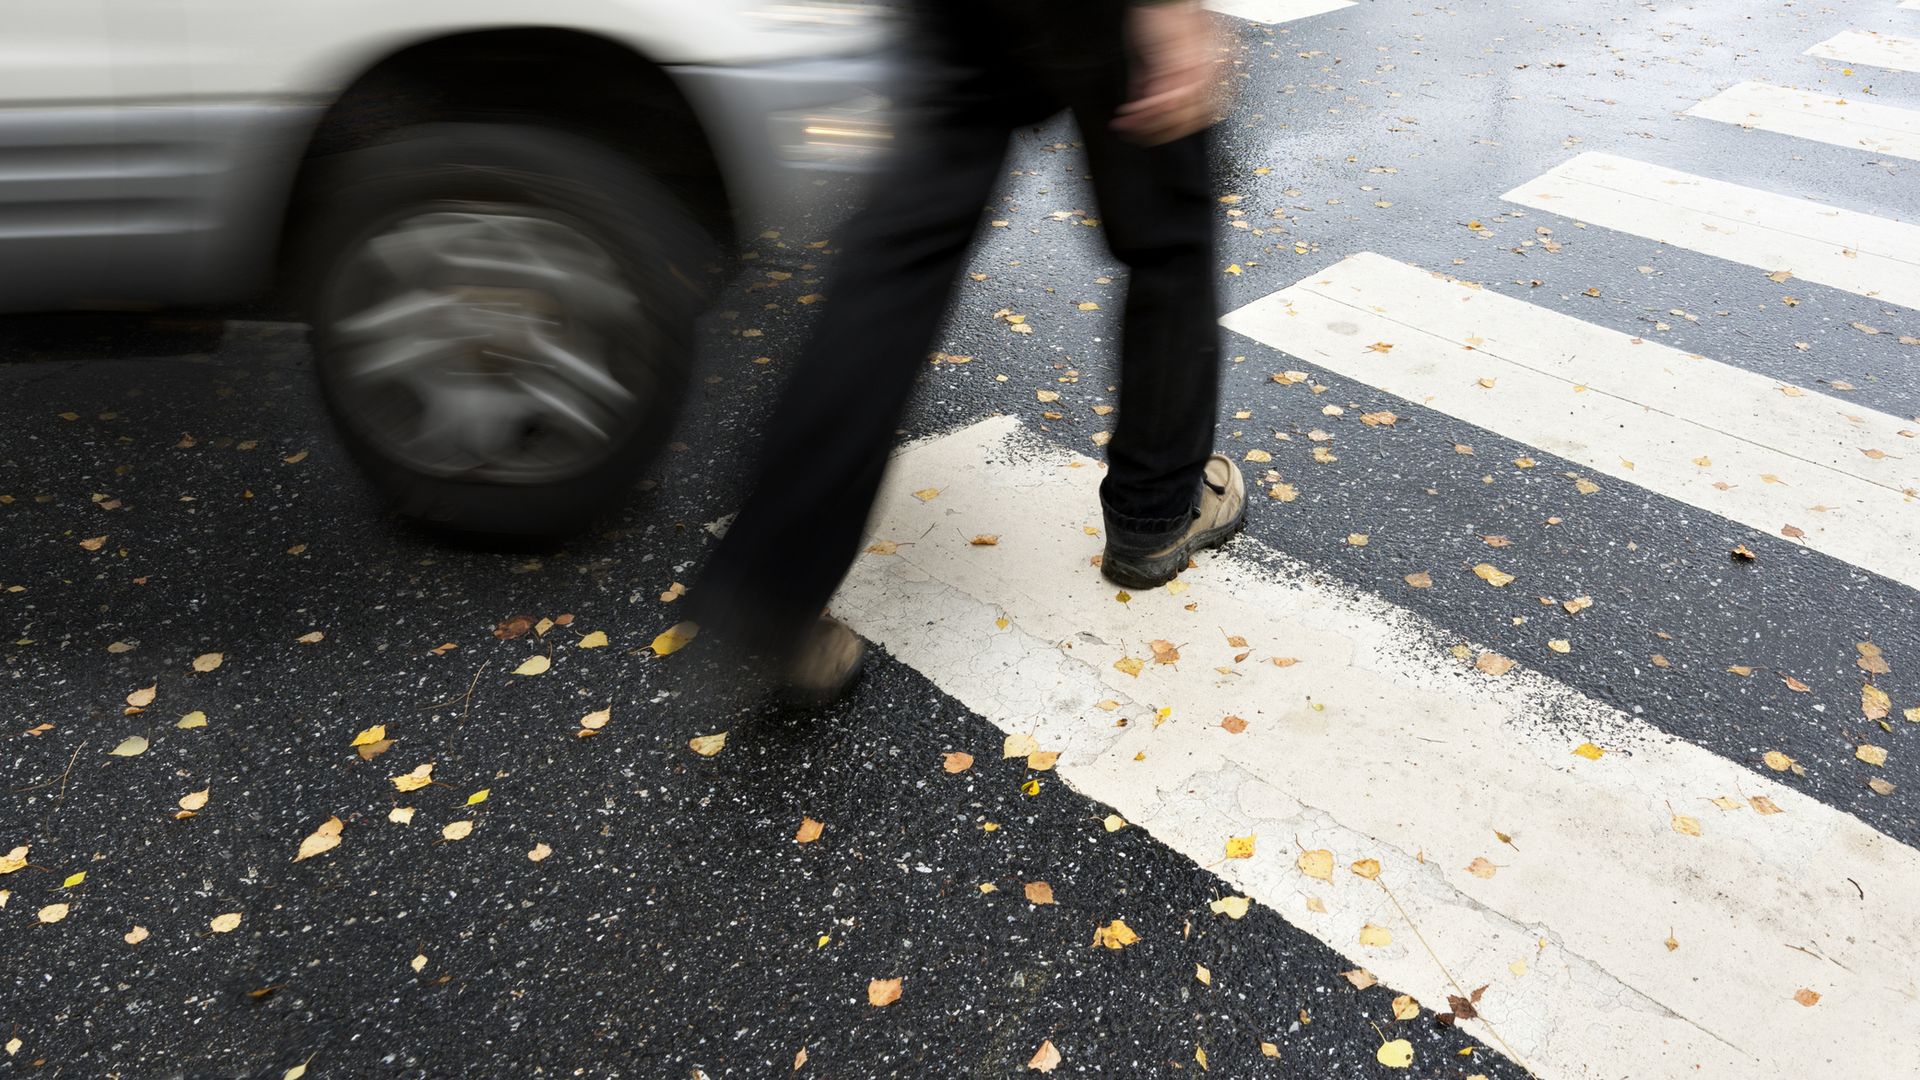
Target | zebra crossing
(1827,118)
(1329,723)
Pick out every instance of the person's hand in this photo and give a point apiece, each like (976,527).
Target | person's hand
(1173,83)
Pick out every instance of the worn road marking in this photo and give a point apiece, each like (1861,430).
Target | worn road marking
(1276,11)
(1682,425)
(1872,49)
(1839,121)
(1861,253)
(1379,744)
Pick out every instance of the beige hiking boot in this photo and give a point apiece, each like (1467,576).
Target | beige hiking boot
(1220,512)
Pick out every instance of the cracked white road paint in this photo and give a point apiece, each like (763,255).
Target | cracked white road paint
(1380,744)
(1724,439)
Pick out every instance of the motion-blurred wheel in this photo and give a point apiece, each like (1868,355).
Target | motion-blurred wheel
(502,321)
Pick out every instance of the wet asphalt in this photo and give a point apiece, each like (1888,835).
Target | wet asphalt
(676,928)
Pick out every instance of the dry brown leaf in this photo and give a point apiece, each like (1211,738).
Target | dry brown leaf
(708,745)
(1165,652)
(1493,663)
(1361,978)
(1806,997)
(809,831)
(957,762)
(1115,935)
(1481,868)
(883,992)
(1234,724)
(206,662)
(1039,893)
(1044,1060)
(1420,580)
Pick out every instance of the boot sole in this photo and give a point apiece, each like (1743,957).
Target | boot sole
(1151,573)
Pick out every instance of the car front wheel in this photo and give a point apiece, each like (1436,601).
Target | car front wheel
(502,321)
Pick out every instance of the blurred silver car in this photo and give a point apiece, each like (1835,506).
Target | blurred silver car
(501,218)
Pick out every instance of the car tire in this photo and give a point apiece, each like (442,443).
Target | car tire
(502,320)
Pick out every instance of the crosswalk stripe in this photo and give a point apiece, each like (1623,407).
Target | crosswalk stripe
(1721,438)
(1276,11)
(1871,48)
(1860,253)
(1377,744)
(1859,125)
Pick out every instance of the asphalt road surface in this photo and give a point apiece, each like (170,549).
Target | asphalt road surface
(1555,715)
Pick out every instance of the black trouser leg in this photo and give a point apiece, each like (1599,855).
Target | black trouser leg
(1157,206)
(831,433)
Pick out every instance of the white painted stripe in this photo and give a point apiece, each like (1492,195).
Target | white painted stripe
(1860,125)
(1913,5)
(1378,744)
(1871,48)
(1861,253)
(1276,11)
(1629,408)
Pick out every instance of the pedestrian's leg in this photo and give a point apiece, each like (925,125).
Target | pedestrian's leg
(827,446)
(1157,205)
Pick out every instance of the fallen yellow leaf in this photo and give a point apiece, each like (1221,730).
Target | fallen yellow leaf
(225,924)
(457,830)
(809,831)
(675,638)
(708,745)
(595,640)
(883,992)
(1115,935)
(131,746)
(1240,847)
(325,838)
(1395,1054)
(1375,935)
(420,777)
(1492,575)
(1316,864)
(1233,907)
(533,665)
